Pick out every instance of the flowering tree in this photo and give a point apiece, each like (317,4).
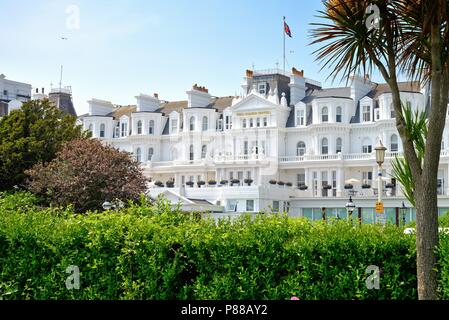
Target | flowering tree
(85,173)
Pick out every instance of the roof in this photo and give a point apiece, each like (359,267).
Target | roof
(166,108)
(344,92)
(385,88)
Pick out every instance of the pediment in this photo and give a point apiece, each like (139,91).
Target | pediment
(254,103)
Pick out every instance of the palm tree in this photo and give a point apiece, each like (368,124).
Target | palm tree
(412,38)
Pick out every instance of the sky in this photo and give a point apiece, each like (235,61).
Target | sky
(118,49)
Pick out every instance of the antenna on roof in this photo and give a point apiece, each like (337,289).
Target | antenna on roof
(60,79)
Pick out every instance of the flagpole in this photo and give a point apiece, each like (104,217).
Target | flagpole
(283,32)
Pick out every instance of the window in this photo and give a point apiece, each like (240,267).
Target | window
(325,114)
(102,130)
(244,123)
(117,130)
(245,147)
(366,146)
(366,112)
(377,114)
(251,122)
(150,154)
(139,127)
(258,122)
(228,122)
(275,206)
(392,112)
(191,156)
(203,152)
(367,177)
(300,148)
(301,179)
(205,123)
(91,128)
(232,205)
(249,205)
(300,118)
(174,126)
(338,117)
(220,124)
(265,122)
(394,146)
(139,155)
(151,127)
(124,129)
(324,146)
(192,123)
(262,88)
(338,145)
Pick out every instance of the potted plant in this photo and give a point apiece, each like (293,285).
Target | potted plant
(289,184)
(200,183)
(248,181)
(235,181)
(366,186)
(190,183)
(389,186)
(281,183)
(303,187)
(349,186)
(223,182)
(212,182)
(272,181)
(170,184)
(159,184)
(327,187)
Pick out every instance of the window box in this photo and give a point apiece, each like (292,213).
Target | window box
(159,184)
(303,187)
(170,184)
(248,181)
(223,182)
(349,186)
(272,181)
(281,183)
(327,187)
(190,183)
(200,183)
(212,182)
(289,184)
(389,186)
(235,181)
(366,186)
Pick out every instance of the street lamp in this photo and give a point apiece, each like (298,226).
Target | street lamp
(380,159)
(403,210)
(107,205)
(350,207)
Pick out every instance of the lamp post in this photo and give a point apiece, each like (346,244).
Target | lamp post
(380,159)
(403,210)
(350,207)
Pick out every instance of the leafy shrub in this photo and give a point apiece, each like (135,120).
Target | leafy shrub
(85,173)
(156,252)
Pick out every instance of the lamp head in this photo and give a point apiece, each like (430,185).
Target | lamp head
(380,153)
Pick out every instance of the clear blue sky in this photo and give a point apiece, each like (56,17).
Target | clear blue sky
(124,48)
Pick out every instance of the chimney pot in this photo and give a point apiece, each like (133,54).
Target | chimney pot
(156,95)
(43,90)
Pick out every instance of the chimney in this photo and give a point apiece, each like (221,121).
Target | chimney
(147,103)
(360,87)
(198,97)
(100,107)
(247,82)
(297,86)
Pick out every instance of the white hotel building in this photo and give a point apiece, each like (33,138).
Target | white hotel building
(223,154)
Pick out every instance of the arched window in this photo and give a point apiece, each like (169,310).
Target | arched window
(203,152)
(338,115)
(139,155)
(324,146)
(394,145)
(338,145)
(205,123)
(139,127)
(324,114)
(102,130)
(150,154)
(151,127)
(191,156)
(192,123)
(300,148)
(367,146)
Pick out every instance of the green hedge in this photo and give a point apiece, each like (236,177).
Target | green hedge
(155,252)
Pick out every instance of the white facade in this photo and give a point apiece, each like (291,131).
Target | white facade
(12,94)
(284,127)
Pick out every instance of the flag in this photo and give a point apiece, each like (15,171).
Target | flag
(287,29)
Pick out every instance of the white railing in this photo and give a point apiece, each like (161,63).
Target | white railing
(358,156)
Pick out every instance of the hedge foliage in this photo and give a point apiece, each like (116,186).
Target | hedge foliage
(155,252)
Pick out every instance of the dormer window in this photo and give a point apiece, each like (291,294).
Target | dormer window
(117,130)
(300,118)
(262,88)
(174,126)
(366,114)
(325,115)
(124,129)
